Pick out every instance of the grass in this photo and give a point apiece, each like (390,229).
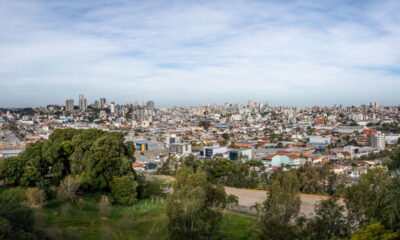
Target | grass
(145,220)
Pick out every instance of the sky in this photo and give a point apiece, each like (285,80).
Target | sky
(180,53)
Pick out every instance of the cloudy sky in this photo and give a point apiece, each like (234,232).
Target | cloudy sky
(297,53)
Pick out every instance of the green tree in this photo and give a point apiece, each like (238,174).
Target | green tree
(330,221)
(395,159)
(13,170)
(389,203)
(281,207)
(191,207)
(231,200)
(16,220)
(361,199)
(106,158)
(123,189)
(205,124)
(375,231)
(226,136)
(311,178)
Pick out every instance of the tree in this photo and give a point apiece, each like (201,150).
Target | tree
(16,220)
(105,207)
(13,170)
(258,208)
(395,159)
(35,197)
(375,231)
(205,124)
(123,189)
(225,136)
(311,178)
(149,188)
(361,199)
(281,207)
(94,156)
(68,188)
(191,207)
(231,200)
(389,203)
(106,158)
(330,221)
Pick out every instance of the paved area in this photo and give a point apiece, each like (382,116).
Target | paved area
(248,197)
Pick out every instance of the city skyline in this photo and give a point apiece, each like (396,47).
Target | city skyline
(186,53)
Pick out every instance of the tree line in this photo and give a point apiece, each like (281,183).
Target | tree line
(312,179)
(367,210)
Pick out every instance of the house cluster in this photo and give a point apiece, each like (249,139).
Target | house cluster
(279,137)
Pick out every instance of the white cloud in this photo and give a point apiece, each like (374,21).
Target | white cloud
(184,52)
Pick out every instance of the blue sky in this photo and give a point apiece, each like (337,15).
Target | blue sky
(297,53)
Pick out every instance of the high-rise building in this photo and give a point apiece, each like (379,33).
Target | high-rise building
(102,103)
(150,104)
(69,105)
(112,107)
(96,104)
(378,141)
(82,103)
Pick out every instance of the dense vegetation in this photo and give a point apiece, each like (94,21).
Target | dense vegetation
(144,220)
(99,160)
(247,174)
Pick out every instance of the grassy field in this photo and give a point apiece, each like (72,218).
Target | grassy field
(145,220)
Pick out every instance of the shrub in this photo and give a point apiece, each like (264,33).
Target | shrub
(150,189)
(123,189)
(105,207)
(80,203)
(68,188)
(65,208)
(35,197)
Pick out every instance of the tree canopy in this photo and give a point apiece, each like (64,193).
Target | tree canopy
(93,156)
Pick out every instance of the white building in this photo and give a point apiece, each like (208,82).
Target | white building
(209,152)
(378,141)
(181,148)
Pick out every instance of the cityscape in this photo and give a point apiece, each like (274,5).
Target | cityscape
(199,120)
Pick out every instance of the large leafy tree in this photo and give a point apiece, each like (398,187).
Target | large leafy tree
(281,207)
(107,158)
(191,207)
(361,199)
(394,164)
(311,178)
(94,156)
(330,221)
(389,203)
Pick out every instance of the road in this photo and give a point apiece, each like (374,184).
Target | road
(248,197)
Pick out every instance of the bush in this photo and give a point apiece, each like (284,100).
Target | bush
(150,189)
(80,203)
(65,208)
(123,189)
(105,207)
(68,188)
(35,197)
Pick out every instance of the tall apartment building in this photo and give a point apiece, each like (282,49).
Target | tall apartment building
(150,104)
(102,103)
(378,141)
(69,105)
(112,107)
(82,103)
